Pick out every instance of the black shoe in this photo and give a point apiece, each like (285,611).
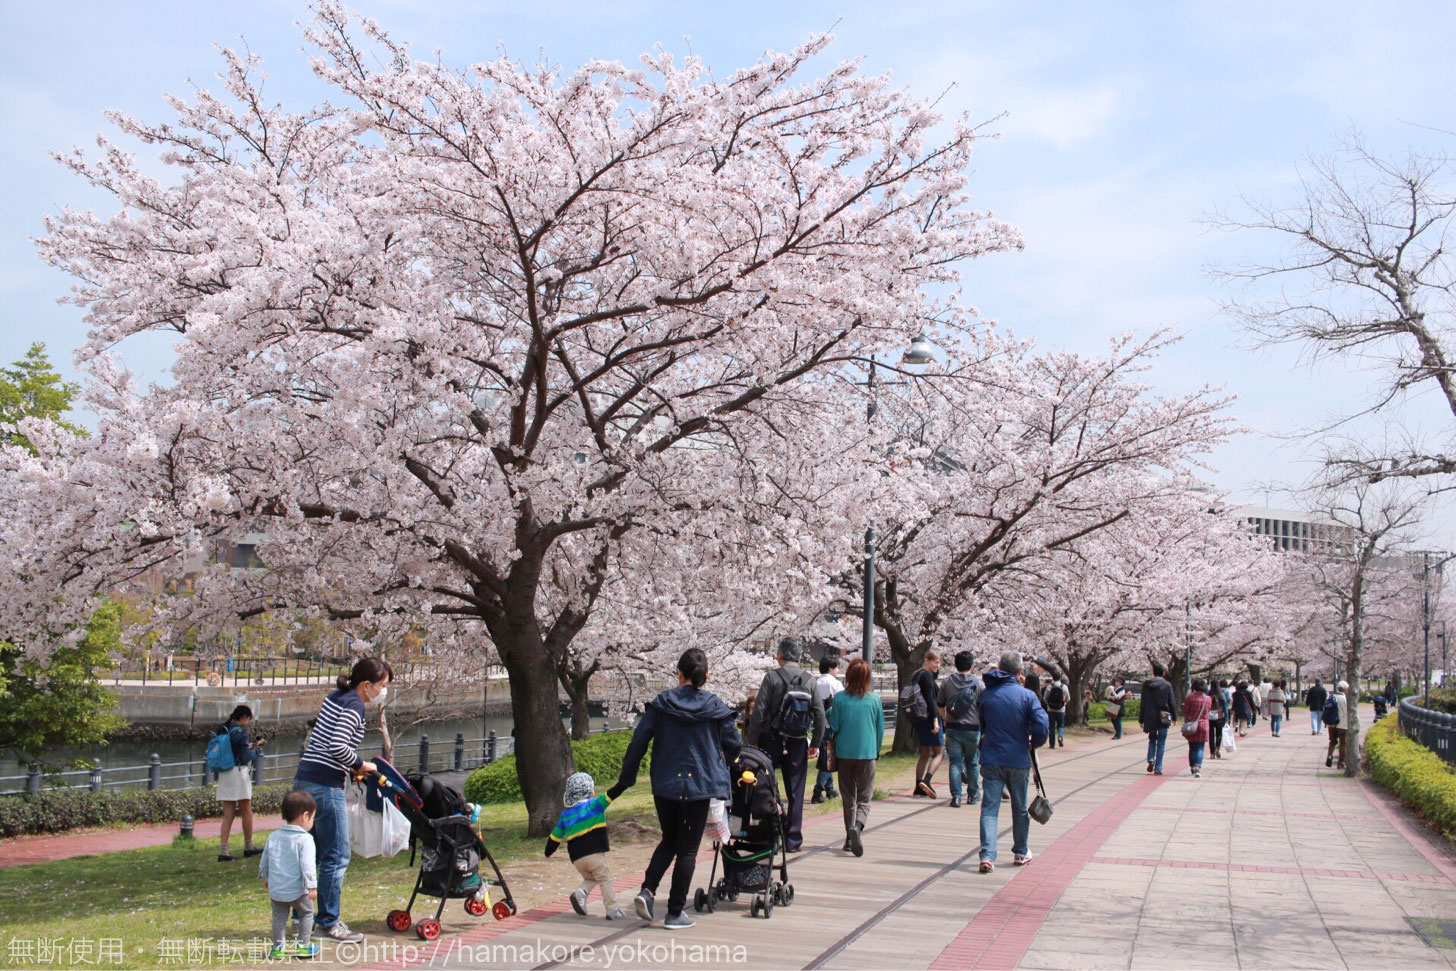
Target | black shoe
(643,903)
(228,857)
(856,845)
(817,798)
(253,851)
(831,793)
(1329,761)
(955,802)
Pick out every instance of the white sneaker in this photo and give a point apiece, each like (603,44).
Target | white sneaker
(1022,859)
(339,931)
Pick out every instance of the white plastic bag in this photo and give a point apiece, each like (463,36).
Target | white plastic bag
(718,821)
(366,830)
(396,831)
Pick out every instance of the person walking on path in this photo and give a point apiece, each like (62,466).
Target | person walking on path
(289,870)
(1217,719)
(1157,711)
(235,785)
(1196,709)
(1337,731)
(693,742)
(1013,723)
(962,715)
(1057,695)
(1315,699)
(857,721)
(828,686)
(788,724)
(329,758)
(1244,707)
(1257,699)
(582,826)
(929,731)
(1116,701)
(1276,707)
(1392,697)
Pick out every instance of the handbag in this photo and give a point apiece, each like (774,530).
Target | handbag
(1165,718)
(828,761)
(1113,709)
(1190,728)
(1041,807)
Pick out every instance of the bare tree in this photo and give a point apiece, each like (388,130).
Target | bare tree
(1367,276)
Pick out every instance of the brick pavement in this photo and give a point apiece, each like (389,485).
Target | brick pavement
(63,846)
(1279,863)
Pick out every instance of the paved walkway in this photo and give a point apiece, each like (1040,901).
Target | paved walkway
(63,846)
(1269,861)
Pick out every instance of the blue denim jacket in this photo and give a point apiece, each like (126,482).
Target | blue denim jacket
(288,863)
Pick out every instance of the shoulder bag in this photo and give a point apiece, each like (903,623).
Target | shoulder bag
(1041,807)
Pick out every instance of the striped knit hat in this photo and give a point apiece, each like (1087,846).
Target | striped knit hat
(579,788)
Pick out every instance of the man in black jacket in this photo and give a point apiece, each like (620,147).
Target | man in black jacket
(789,749)
(1315,698)
(1157,711)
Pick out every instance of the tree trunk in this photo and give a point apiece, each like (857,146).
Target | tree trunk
(908,660)
(580,710)
(1079,676)
(543,754)
(1352,730)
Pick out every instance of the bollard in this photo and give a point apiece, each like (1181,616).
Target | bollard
(95,775)
(424,753)
(459,751)
(154,772)
(32,779)
(604,725)
(490,747)
(185,830)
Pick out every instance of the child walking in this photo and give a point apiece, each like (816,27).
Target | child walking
(290,874)
(583,828)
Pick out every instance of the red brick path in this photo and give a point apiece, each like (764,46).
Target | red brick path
(63,846)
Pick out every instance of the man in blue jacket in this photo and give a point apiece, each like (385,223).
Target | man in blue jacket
(1013,722)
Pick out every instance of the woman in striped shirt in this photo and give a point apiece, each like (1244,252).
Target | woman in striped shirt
(329,759)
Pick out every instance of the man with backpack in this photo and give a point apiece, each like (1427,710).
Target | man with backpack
(1056,706)
(920,703)
(1336,716)
(788,725)
(961,710)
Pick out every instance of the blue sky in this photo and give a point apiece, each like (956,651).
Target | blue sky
(1125,123)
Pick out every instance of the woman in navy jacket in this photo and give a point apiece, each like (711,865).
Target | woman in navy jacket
(693,740)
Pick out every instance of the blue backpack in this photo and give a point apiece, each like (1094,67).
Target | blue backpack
(1331,713)
(220,752)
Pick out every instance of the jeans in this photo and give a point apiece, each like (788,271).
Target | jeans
(824,782)
(682,832)
(1117,728)
(963,748)
(1058,720)
(994,778)
(1195,754)
(1157,741)
(1215,737)
(1316,721)
(1274,722)
(331,842)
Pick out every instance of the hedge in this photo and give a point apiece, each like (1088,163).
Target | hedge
(1416,775)
(601,755)
(57,810)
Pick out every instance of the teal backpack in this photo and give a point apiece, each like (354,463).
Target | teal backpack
(220,752)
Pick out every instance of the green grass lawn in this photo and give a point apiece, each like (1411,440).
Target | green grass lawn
(161,901)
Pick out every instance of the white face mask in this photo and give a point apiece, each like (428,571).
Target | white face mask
(383,693)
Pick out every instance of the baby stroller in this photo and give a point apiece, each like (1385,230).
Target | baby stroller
(1382,707)
(450,849)
(756,820)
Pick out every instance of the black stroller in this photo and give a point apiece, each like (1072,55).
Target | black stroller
(756,820)
(450,850)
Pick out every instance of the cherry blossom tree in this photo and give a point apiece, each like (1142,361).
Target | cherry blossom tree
(1005,457)
(461,342)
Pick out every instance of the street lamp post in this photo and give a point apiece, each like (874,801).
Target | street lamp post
(921,352)
(1426,624)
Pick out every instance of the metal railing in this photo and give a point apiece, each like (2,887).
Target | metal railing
(458,754)
(225,671)
(1434,729)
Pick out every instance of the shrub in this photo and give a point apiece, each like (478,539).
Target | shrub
(57,810)
(1414,774)
(1129,711)
(601,755)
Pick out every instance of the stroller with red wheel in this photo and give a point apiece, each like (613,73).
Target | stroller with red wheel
(756,822)
(450,849)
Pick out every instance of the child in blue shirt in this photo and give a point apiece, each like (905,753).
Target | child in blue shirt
(290,874)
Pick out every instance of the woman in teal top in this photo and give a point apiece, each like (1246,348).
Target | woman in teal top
(857,725)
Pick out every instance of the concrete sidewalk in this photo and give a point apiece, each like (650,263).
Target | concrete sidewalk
(1269,861)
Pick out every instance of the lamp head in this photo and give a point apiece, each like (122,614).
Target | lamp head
(921,351)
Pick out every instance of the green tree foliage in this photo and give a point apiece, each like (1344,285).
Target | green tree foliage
(60,701)
(32,388)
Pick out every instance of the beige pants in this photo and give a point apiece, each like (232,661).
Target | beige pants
(595,873)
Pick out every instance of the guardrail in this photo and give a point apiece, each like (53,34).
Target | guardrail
(458,754)
(1434,729)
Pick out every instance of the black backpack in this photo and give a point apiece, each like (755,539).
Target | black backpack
(1331,714)
(1056,697)
(795,716)
(963,702)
